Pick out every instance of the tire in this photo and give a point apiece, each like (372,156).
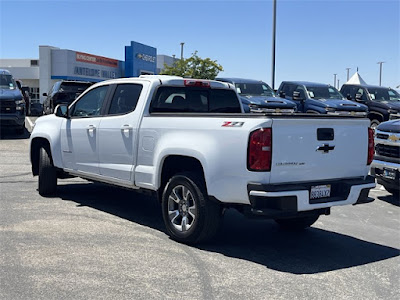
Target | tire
(47,183)
(189,216)
(21,130)
(374,123)
(298,223)
(394,192)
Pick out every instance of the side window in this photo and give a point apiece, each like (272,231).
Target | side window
(288,90)
(125,98)
(90,104)
(224,101)
(301,90)
(363,94)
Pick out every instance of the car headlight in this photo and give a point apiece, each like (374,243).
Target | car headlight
(393,111)
(19,102)
(330,109)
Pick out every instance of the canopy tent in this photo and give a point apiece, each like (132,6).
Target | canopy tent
(356,79)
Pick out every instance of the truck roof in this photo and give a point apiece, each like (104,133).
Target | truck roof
(5,72)
(169,80)
(307,83)
(238,80)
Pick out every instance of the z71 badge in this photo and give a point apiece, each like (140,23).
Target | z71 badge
(232,124)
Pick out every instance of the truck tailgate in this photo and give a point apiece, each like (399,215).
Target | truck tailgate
(318,149)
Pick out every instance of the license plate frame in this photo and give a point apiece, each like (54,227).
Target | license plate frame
(389,173)
(320,191)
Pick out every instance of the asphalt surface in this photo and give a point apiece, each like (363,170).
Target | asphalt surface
(99,242)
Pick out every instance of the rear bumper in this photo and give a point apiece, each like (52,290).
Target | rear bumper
(272,199)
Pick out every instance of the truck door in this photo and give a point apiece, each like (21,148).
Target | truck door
(79,133)
(118,131)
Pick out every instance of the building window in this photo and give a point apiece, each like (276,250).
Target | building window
(34,91)
(34,62)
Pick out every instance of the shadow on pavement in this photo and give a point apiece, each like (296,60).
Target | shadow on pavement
(391,199)
(261,241)
(12,134)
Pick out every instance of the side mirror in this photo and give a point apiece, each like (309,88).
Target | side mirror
(44,94)
(61,111)
(296,96)
(19,85)
(348,97)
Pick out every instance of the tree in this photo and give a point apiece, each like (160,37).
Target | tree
(194,67)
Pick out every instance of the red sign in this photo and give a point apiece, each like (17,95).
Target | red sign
(98,60)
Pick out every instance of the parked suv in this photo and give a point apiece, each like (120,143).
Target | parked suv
(319,98)
(64,91)
(386,164)
(12,103)
(383,102)
(257,96)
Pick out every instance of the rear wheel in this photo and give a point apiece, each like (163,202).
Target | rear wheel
(47,184)
(189,216)
(297,223)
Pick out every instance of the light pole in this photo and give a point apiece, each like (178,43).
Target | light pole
(334,80)
(338,83)
(273,44)
(380,71)
(348,69)
(182,50)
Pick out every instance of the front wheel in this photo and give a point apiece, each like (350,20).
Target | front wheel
(297,223)
(47,174)
(189,216)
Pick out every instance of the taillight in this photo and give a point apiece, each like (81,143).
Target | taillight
(197,83)
(371,146)
(260,150)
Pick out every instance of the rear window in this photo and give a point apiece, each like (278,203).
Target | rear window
(74,86)
(195,100)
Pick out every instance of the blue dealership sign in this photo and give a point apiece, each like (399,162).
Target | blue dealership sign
(140,59)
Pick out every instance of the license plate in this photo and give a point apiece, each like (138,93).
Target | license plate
(389,173)
(320,191)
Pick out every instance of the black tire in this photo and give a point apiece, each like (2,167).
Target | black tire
(298,223)
(21,130)
(47,183)
(207,214)
(374,123)
(394,192)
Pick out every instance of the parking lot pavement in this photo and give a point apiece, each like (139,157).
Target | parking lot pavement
(93,241)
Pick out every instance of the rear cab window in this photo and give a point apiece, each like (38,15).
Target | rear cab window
(195,100)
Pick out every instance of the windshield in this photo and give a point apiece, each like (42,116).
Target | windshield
(254,89)
(7,82)
(323,92)
(383,94)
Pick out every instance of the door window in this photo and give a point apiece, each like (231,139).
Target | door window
(125,98)
(91,103)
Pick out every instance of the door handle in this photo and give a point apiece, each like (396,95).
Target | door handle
(91,128)
(126,128)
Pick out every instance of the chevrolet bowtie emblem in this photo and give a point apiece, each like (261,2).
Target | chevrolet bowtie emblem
(394,138)
(325,148)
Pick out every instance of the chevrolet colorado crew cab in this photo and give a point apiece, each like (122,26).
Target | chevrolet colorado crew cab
(189,142)
(386,164)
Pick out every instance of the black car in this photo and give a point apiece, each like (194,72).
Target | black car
(64,91)
(383,102)
(257,96)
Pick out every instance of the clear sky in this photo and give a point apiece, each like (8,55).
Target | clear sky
(315,39)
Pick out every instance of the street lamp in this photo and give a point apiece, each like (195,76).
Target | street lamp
(334,80)
(380,71)
(273,44)
(182,50)
(348,73)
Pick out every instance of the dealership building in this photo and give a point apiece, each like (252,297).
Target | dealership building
(56,64)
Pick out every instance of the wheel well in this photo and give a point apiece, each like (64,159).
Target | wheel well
(36,144)
(176,164)
(375,116)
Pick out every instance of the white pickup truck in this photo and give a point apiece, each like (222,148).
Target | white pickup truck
(190,142)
